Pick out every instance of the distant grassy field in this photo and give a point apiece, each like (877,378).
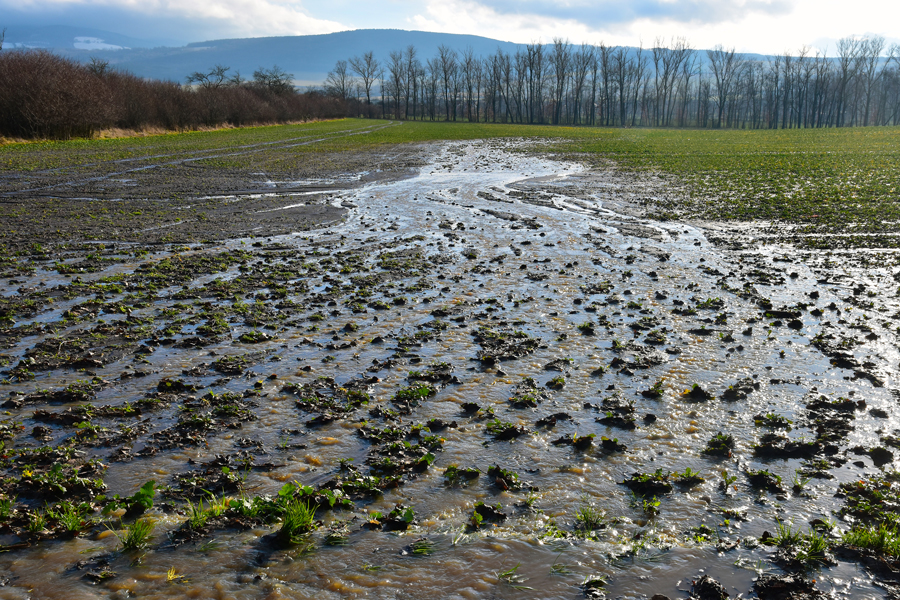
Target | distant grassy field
(825,181)
(31,156)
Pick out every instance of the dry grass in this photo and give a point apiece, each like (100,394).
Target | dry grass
(8,141)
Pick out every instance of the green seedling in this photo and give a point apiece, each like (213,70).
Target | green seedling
(883,540)
(588,518)
(37,522)
(727,482)
(136,535)
(298,520)
(511,578)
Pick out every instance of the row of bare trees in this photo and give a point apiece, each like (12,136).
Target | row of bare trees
(670,84)
(43,95)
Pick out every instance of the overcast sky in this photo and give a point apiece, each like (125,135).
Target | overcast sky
(763,26)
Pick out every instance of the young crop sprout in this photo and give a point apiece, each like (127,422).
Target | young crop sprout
(558,568)
(298,519)
(588,517)
(728,481)
(511,578)
(799,482)
(137,534)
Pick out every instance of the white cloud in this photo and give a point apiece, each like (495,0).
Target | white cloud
(241,18)
(763,26)
(255,17)
(463,16)
(814,22)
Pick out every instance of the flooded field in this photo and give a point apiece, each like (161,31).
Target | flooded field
(491,376)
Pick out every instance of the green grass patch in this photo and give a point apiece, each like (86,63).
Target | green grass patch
(885,539)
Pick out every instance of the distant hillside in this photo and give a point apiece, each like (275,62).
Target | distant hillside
(308,57)
(65,38)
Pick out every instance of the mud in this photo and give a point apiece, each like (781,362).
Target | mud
(485,369)
(185,197)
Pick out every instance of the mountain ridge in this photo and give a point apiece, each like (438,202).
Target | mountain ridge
(308,58)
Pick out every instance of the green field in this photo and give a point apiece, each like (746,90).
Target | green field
(826,181)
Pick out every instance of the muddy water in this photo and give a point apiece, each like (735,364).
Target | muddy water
(514,243)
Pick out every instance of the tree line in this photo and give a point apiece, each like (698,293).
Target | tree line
(46,96)
(670,84)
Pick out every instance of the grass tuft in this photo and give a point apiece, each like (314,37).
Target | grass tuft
(299,519)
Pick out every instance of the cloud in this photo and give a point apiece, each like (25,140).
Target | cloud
(172,19)
(603,13)
(469,16)
(590,21)
(750,25)
(754,26)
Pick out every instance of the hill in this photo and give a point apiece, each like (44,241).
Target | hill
(65,38)
(308,57)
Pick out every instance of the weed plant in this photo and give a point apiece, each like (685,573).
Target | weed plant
(137,535)
(298,519)
(885,539)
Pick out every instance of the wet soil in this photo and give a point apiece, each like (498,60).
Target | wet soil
(186,196)
(467,356)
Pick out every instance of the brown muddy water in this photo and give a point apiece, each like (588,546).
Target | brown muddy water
(489,267)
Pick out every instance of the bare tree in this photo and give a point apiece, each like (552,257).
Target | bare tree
(534,76)
(98,66)
(382,74)
(667,59)
(605,75)
(640,67)
(787,61)
(583,61)
(276,79)
(412,67)
(820,89)
(397,79)
(679,53)
(215,78)
(506,79)
(339,81)
(421,88)
(848,49)
(805,68)
(622,67)
(893,54)
(595,82)
(366,67)
(478,76)
(432,84)
(870,53)
(521,92)
(449,66)
(688,69)
(470,66)
(560,59)
(660,70)
(725,65)
(2,37)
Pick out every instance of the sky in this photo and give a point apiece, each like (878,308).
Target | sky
(760,26)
